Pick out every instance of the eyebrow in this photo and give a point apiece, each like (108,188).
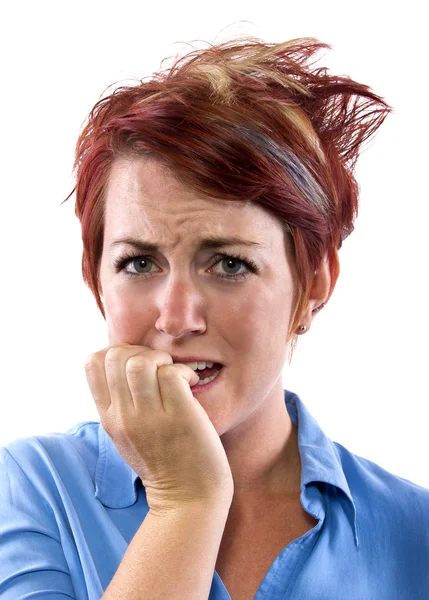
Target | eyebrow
(210,242)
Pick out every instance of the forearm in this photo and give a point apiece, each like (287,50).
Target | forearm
(171,556)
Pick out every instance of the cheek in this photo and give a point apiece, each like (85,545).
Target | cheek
(246,320)
(126,319)
(264,320)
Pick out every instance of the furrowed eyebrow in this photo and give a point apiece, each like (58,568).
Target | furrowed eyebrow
(202,244)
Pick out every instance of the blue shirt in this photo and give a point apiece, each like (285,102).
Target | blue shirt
(70,505)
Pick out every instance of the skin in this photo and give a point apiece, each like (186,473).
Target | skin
(183,308)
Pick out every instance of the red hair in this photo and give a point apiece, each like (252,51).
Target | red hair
(243,120)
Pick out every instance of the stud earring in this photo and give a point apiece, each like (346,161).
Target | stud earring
(315,310)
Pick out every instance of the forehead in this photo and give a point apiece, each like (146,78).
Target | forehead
(144,196)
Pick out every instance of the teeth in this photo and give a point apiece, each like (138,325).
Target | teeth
(208,379)
(199,365)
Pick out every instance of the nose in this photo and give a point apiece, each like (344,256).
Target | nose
(181,308)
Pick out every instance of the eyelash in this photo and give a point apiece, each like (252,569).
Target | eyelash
(122,261)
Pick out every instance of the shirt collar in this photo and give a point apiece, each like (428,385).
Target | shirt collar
(320,461)
(116,482)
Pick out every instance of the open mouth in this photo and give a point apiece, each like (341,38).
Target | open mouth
(209,371)
(207,376)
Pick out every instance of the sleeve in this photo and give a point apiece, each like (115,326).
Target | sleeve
(32,561)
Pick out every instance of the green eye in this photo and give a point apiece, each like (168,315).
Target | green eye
(122,262)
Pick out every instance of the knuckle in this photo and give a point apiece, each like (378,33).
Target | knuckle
(167,370)
(114,354)
(142,360)
(91,362)
(137,362)
(96,359)
(163,356)
(162,359)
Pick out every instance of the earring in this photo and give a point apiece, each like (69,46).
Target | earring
(315,310)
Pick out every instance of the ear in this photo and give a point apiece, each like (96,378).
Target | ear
(324,281)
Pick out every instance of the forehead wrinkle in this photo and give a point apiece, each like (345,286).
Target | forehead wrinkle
(189,210)
(184,217)
(178,232)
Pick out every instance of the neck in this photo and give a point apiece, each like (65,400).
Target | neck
(269,467)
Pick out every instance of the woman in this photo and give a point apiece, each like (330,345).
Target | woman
(213,200)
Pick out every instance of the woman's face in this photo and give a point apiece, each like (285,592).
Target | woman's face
(178,302)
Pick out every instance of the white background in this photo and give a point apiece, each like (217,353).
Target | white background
(362,369)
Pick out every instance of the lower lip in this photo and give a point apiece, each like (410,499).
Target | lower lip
(207,386)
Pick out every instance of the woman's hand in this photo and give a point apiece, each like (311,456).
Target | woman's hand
(146,406)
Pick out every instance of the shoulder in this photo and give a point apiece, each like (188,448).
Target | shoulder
(46,492)
(47,457)
(374,477)
(383,496)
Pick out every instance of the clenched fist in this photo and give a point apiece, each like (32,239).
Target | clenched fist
(146,406)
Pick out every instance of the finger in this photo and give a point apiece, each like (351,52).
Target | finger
(116,367)
(95,372)
(175,388)
(141,372)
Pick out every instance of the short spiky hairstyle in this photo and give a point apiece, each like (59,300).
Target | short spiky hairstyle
(243,120)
